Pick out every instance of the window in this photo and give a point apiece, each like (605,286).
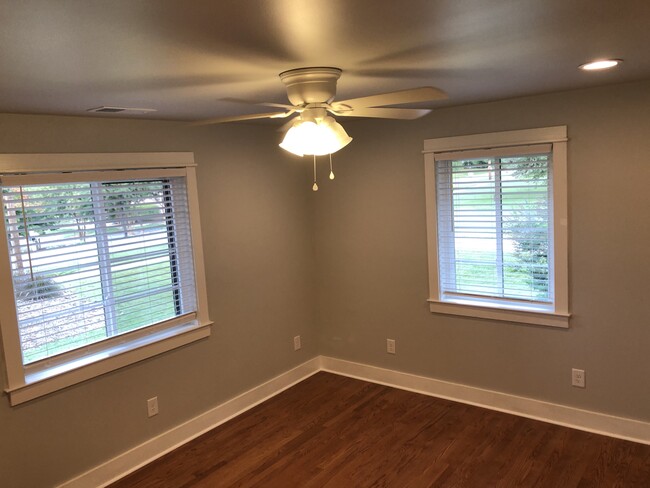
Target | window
(497,218)
(103,266)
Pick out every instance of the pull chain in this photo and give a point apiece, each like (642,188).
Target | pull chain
(331,171)
(315,187)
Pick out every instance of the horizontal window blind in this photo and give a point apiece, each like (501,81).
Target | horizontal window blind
(495,225)
(97,259)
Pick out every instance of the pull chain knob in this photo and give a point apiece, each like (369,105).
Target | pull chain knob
(315,187)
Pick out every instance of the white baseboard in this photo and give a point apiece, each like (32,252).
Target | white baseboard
(148,451)
(599,423)
(586,420)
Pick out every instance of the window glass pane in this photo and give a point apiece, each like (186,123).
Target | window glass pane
(493,227)
(474,227)
(525,197)
(141,264)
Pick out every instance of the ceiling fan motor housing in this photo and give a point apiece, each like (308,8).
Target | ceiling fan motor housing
(310,85)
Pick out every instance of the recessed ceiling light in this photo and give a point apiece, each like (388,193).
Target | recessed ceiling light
(600,64)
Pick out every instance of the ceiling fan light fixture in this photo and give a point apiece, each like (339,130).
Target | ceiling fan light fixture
(340,137)
(316,137)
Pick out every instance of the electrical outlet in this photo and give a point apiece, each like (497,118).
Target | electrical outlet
(390,346)
(578,377)
(152,406)
(296,343)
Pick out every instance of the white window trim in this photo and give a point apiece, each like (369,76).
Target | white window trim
(559,315)
(25,383)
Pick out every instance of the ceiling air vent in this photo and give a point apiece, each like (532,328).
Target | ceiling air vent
(122,110)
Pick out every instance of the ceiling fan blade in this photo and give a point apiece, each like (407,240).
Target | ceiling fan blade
(385,113)
(263,104)
(235,118)
(414,95)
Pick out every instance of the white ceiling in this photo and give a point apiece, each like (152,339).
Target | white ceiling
(182,57)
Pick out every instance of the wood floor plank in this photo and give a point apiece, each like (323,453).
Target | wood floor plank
(337,432)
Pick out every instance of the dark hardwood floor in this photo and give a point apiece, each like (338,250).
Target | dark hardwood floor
(339,432)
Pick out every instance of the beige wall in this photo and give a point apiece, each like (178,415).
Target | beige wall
(372,256)
(347,267)
(256,215)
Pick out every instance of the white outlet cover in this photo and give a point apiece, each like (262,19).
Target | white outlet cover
(578,377)
(152,406)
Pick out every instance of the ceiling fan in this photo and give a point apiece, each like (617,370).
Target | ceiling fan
(315,88)
(311,92)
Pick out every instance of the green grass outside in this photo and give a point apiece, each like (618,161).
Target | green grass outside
(63,345)
(142,311)
(131,315)
(515,279)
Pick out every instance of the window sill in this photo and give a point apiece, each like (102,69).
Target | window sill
(56,377)
(485,311)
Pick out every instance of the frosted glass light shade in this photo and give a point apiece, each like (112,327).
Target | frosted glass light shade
(319,137)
